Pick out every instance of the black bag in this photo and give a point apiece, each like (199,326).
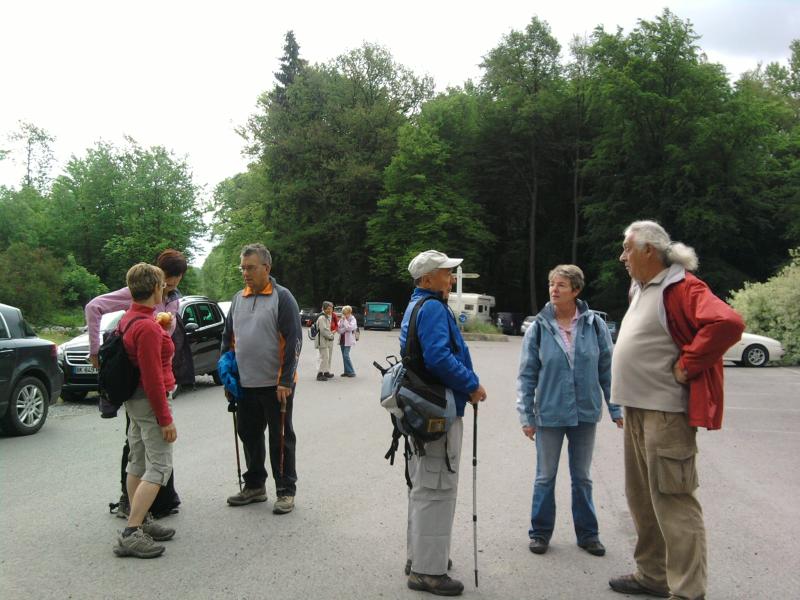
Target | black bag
(313,331)
(117,378)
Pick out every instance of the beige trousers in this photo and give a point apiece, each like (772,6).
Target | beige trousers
(324,359)
(432,502)
(660,479)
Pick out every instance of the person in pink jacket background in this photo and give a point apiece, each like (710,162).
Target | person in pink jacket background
(347,339)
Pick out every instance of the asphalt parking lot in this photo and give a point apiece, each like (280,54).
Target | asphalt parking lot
(346,539)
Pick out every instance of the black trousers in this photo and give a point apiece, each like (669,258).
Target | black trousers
(257,410)
(166,499)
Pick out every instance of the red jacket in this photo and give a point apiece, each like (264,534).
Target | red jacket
(703,327)
(150,348)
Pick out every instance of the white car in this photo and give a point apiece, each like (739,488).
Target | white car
(224,306)
(526,323)
(754,350)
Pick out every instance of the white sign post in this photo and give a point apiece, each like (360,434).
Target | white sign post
(460,275)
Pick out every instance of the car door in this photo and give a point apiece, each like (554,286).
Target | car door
(204,323)
(7,359)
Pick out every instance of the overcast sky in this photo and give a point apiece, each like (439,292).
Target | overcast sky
(184,74)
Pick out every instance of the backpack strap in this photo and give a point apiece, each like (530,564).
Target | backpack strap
(122,332)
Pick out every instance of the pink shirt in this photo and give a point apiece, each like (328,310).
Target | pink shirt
(568,336)
(119,300)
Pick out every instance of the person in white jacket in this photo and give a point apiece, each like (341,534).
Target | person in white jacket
(324,342)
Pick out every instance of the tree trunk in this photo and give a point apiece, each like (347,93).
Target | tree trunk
(575,203)
(534,196)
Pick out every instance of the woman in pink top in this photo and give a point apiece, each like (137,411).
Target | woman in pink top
(152,429)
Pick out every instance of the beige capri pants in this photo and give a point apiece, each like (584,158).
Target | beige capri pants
(150,457)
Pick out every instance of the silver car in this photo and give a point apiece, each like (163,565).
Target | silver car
(526,323)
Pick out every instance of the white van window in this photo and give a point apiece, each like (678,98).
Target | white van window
(469,307)
(480,308)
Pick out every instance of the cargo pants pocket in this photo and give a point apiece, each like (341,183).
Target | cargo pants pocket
(676,470)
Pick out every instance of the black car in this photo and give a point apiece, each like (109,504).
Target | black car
(510,322)
(203,321)
(308,316)
(29,375)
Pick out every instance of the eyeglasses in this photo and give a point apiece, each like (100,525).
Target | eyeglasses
(250,268)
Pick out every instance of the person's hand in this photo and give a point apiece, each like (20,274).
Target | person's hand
(529,431)
(95,360)
(681,376)
(283,394)
(477,395)
(169,433)
(620,423)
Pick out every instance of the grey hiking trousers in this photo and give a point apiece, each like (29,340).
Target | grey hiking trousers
(432,502)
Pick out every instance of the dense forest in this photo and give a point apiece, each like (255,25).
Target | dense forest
(357,164)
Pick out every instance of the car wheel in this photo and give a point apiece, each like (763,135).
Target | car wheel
(27,407)
(755,356)
(73,396)
(215,376)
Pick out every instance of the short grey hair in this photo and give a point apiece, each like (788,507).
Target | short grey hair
(571,273)
(259,250)
(327,304)
(650,232)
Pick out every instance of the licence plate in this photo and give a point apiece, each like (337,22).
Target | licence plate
(84,370)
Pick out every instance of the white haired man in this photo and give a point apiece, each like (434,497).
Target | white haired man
(667,373)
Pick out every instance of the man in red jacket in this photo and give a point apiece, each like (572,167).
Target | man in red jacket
(667,373)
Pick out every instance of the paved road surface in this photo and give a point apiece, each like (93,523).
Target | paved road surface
(346,538)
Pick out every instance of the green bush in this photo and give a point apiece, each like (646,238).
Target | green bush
(30,280)
(473,326)
(772,308)
(80,285)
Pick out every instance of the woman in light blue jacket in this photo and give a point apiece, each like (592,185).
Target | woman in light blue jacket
(564,372)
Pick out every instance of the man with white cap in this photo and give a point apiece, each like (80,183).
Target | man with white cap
(434,486)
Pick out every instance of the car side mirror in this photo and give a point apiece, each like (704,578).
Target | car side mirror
(191,327)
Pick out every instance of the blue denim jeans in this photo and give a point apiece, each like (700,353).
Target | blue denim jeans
(580,440)
(348,364)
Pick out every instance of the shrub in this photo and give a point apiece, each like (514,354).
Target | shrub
(772,308)
(473,326)
(80,285)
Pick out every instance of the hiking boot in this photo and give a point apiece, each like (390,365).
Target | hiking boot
(248,495)
(124,508)
(158,532)
(407,570)
(595,548)
(439,585)
(137,544)
(628,584)
(283,505)
(321,377)
(538,545)
(328,375)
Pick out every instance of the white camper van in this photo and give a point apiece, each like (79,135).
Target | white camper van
(476,306)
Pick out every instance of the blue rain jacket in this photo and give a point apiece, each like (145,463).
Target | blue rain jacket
(439,336)
(551,392)
(228,372)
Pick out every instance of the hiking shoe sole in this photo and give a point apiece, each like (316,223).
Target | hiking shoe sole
(251,500)
(123,551)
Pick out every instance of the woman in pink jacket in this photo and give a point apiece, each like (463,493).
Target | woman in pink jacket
(347,339)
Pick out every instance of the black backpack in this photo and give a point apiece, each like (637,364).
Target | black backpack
(117,378)
(313,331)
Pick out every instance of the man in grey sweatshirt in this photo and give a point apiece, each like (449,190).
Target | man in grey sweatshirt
(263,328)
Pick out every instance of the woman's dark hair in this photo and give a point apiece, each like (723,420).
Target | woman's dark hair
(172,262)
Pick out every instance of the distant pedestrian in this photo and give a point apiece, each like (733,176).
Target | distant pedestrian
(564,372)
(324,342)
(347,339)
(263,327)
(152,428)
(667,373)
(434,476)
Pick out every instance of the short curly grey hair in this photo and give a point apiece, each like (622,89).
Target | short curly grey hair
(572,273)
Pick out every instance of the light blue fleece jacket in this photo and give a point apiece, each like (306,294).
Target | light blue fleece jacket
(551,392)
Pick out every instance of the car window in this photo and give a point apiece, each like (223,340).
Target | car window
(378,308)
(4,333)
(190,315)
(207,315)
(27,330)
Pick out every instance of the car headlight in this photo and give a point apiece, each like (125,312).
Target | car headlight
(60,354)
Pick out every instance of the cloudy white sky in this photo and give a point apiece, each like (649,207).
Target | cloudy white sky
(183,74)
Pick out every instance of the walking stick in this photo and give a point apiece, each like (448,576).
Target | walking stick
(236,441)
(283,430)
(474,489)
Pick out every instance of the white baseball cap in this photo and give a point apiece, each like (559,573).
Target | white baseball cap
(430,260)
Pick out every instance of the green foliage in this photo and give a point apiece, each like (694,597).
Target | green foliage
(31,280)
(475,326)
(772,309)
(79,286)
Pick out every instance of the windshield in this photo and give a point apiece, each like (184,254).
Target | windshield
(110,320)
(377,308)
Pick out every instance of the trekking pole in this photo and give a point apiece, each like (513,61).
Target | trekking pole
(474,489)
(283,431)
(236,441)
